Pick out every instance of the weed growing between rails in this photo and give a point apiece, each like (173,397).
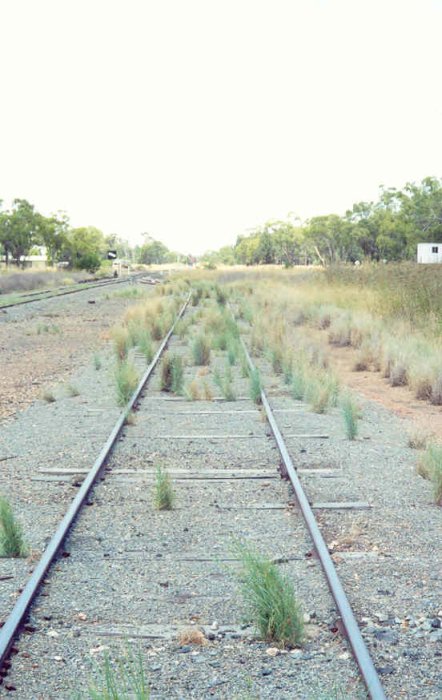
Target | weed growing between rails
(11,538)
(172,374)
(120,679)
(270,598)
(164,496)
(126,380)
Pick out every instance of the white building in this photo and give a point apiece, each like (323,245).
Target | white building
(429,252)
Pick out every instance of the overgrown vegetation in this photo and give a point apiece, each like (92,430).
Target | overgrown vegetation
(270,598)
(11,538)
(201,350)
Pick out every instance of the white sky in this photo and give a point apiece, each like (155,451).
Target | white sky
(194,120)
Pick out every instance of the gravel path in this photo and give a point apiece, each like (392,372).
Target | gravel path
(139,574)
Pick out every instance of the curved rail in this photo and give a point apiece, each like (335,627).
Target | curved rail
(11,627)
(357,644)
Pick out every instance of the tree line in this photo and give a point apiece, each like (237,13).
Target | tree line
(23,230)
(388,229)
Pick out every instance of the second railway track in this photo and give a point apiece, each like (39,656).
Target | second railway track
(130,572)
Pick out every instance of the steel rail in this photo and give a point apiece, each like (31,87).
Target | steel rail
(45,294)
(357,644)
(12,624)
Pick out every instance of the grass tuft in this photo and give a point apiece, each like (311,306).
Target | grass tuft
(126,379)
(201,350)
(72,390)
(255,386)
(164,496)
(11,538)
(121,679)
(172,374)
(48,396)
(430,467)
(97,361)
(271,599)
(350,414)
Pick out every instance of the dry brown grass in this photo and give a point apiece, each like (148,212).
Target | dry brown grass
(192,635)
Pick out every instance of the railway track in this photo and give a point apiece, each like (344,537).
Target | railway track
(127,571)
(30,297)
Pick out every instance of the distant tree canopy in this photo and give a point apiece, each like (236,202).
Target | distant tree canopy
(23,230)
(390,228)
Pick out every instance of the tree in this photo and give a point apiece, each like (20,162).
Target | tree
(153,253)
(84,247)
(20,229)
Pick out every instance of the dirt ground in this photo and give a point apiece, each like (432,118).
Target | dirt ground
(372,385)
(41,345)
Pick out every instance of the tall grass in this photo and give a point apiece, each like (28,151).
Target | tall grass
(270,598)
(255,386)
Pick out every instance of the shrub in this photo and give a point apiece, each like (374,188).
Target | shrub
(271,599)
(164,496)
(11,538)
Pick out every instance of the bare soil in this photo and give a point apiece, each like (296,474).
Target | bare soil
(42,344)
(373,386)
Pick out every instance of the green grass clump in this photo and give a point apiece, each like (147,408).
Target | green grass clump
(126,379)
(172,374)
(97,361)
(72,390)
(11,538)
(164,496)
(225,383)
(123,679)
(271,599)
(255,386)
(201,350)
(350,414)
(430,467)
(145,345)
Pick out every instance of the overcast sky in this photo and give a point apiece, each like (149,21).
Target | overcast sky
(195,120)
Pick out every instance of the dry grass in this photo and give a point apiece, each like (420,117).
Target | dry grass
(192,635)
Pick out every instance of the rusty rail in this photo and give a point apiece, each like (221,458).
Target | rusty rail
(353,634)
(13,622)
